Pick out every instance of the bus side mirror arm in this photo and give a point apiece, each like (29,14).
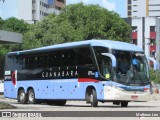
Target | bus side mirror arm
(113,58)
(154,62)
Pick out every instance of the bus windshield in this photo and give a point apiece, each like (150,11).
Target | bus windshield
(132,68)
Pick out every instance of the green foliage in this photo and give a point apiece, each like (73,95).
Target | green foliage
(40,34)
(155,76)
(92,21)
(1,23)
(14,25)
(77,22)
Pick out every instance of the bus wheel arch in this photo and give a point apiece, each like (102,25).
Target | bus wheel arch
(22,96)
(91,96)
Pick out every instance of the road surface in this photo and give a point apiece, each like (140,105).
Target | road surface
(79,109)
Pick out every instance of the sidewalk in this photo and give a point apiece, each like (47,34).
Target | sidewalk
(154,97)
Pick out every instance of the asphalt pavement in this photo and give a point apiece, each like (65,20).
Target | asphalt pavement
(74,110)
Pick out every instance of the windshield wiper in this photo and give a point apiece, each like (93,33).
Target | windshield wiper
(140,77)
(132,74)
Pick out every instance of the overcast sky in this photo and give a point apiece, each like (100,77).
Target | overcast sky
(9,7)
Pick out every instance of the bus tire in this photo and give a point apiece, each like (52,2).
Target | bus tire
(124,103)
(31,97)
(22,96)
(93,98)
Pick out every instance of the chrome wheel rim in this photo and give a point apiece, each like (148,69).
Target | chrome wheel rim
(22,95)
(31,96)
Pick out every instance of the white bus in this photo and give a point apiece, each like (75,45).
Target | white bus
(92,70)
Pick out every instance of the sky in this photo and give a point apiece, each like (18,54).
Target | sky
(9,7)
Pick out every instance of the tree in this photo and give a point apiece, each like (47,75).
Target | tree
(155,76)
(92,21)
(40,34)
(15,25)
(1,23)
(77,22)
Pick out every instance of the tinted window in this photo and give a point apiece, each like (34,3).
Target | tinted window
(70,57)
(62,58)
(29,62)
(57,58)
(84,56)
(14,62)
(98,51)
(33,61)
(41,60)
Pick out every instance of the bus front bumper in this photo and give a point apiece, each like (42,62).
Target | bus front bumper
(112,93)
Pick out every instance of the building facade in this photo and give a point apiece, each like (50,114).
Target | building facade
(145,21)
(35,10)
(146,34)
(143,8)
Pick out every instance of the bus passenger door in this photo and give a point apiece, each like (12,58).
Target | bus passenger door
(108,63)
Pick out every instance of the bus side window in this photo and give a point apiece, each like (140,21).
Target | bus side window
(98,50)
(29,62)
(41,61)
(51,58)
(68,58)
(55,58)
(84,56)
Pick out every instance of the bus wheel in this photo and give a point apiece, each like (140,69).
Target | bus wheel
(22,97)
(93,98)
(31,96)
(124,104)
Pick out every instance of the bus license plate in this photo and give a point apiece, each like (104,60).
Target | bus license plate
(134,97)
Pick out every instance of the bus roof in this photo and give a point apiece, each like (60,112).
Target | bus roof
(117,45)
